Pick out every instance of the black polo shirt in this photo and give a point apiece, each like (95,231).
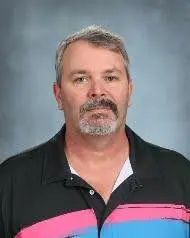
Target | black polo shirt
(41,198)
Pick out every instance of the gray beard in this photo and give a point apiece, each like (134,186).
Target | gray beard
(98,129)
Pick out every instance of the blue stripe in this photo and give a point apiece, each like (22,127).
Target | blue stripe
(160,228)
(147,229)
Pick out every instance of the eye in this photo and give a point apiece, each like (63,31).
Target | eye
(111,78)
(80,80)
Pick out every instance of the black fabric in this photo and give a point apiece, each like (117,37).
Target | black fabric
(37,184)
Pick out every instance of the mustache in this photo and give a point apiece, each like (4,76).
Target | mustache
(101,103)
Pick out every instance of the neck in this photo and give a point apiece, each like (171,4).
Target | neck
(96,149)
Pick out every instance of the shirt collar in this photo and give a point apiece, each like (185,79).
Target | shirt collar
(142,156)
(56,167)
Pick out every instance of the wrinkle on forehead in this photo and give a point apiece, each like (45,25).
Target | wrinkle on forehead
(82,56)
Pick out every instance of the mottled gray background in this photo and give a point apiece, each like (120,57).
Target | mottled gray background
(156,33)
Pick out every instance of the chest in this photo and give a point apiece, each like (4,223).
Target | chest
(105,181)
(102,183)
(67,211)
(118,224)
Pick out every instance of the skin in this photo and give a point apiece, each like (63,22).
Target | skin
(94,73)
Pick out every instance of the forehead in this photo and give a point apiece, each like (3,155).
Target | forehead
(83,55)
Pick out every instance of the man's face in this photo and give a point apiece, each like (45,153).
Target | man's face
(94,92)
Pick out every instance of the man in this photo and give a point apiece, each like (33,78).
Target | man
(96,177)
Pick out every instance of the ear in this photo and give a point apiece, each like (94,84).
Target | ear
(58,96)
(130,92)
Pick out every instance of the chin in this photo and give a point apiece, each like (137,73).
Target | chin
(98,127)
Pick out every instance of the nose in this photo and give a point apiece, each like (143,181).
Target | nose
(96,90)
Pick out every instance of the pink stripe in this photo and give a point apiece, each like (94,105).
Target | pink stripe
(148,212)
(62,225)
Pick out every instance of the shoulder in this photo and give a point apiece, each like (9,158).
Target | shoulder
(169,162)
(23,163)
(172,165)
(168,158)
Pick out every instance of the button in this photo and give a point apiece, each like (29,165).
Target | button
(71,178)
(91,192)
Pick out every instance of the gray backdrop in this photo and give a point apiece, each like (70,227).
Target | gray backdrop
(156,34)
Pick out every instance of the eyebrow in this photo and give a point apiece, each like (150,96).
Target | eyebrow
(113,70)
(82,71)
(78,71)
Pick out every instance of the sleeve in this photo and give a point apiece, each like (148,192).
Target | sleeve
(187,196)
(2,225)
(188,206)
(4,208)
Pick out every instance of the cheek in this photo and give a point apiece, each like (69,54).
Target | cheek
(70,106)
(71,103)
(72,94)
(121,96)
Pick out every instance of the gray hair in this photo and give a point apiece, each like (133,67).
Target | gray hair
(96,36)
